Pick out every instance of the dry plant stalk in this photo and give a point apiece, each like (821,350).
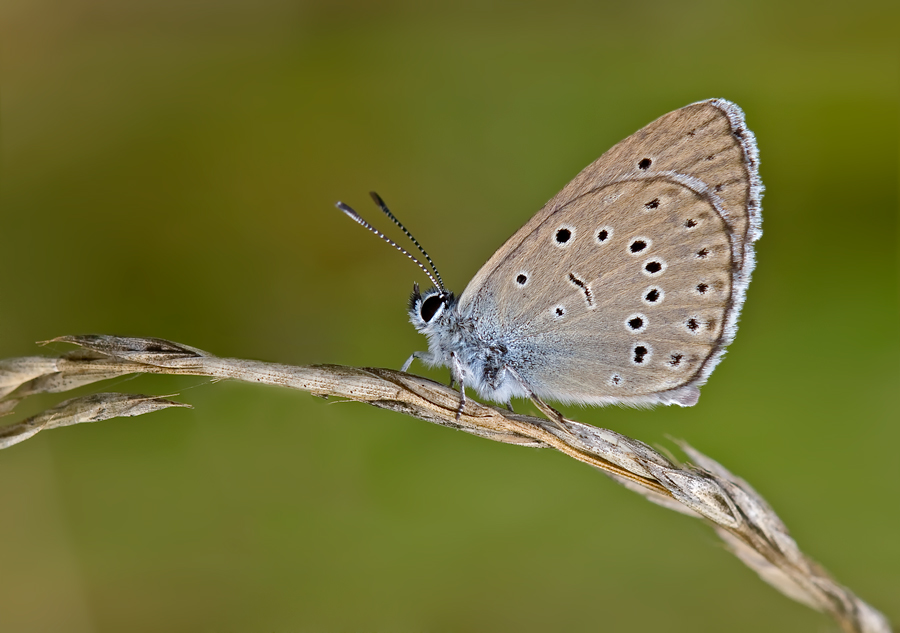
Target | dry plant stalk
(742,518)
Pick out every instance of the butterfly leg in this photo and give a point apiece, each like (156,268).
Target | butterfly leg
(462,401)
(509,406)
(546,409)
(543,407)
(409,361)
(456,371)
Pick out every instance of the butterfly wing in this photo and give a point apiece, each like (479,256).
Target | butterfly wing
(627,285)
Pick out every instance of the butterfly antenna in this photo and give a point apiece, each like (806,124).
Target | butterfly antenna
(387,212)
(353,215)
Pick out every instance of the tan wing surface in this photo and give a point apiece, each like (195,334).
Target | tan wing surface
(641,262)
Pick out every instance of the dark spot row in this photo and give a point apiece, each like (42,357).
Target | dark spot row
(694,325)
(564,235)
(641,353)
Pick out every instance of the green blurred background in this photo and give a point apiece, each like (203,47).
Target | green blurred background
(169,169)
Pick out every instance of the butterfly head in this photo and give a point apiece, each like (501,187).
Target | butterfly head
(427,308)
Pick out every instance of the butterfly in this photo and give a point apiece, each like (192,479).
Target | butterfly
(625,288)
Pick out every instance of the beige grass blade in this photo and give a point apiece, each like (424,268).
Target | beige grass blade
(92,408)
(741,517)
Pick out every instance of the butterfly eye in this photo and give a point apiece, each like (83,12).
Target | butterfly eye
(430,307)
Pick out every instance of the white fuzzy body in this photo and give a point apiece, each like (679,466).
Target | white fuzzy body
(478,356)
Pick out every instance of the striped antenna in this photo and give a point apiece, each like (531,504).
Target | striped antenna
(353,215)
(387,212)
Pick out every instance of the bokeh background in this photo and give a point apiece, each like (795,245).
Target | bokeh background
(169,169)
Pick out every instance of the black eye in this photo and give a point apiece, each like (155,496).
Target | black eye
(430,307)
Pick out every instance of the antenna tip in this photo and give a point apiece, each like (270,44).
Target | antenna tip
(350,213)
